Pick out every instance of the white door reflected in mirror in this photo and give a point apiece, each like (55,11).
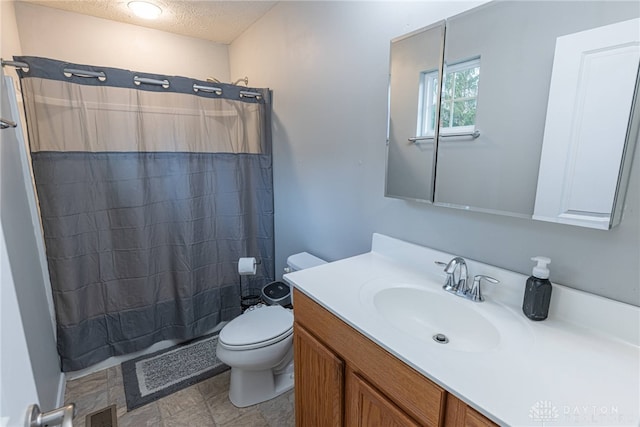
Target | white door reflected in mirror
(590,101)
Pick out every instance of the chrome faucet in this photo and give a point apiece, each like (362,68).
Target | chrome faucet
(460,286)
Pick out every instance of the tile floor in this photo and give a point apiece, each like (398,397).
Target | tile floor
(205,404)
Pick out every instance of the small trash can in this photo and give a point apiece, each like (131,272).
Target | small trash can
(276,293)
(248,301)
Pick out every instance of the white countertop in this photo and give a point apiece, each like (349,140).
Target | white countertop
(580,366)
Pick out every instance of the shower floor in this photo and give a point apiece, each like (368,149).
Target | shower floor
(203,404)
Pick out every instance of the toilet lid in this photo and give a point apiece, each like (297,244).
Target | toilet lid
(258,325)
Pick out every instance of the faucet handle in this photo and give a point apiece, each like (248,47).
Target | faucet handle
(450,284)
(460,287)
(475,294)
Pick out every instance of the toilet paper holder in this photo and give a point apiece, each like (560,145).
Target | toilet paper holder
(256,261)
(247,266)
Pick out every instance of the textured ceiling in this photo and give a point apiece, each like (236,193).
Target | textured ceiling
(217,21)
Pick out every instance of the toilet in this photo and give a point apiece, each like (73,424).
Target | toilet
(258,346)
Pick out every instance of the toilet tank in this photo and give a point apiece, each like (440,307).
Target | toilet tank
(303,260)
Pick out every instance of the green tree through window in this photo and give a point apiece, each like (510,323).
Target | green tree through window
(458,101)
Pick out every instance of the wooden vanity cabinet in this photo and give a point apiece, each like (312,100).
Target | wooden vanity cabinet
(366,406)
(459,414)
(344,379)
(321,380)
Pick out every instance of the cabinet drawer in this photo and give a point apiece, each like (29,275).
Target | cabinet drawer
(420,398)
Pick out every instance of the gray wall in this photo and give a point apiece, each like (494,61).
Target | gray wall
(327,63)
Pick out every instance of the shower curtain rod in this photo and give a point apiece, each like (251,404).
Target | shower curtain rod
(248,94)
(209,89)
(16,64)
(85,73)
(5,124)
(100,75)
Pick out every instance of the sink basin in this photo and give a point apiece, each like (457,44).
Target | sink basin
(424,313)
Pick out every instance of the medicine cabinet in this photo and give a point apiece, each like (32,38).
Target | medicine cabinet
(410,163)
(535,105)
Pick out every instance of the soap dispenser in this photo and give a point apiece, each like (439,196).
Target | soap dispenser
(537,293)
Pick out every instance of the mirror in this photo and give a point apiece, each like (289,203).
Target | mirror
(582,173)
(410,161)
(498,68)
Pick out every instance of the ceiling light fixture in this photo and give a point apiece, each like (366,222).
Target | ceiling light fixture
(145,9)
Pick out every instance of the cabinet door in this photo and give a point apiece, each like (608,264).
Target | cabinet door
(459,414)
(319,382)
(367,407)
(587,127)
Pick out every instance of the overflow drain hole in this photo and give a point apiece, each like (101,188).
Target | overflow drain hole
(440,338)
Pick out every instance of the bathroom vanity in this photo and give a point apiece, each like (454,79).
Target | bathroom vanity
(342,377)
(364,352)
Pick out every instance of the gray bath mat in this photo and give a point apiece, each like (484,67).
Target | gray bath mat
(150,377)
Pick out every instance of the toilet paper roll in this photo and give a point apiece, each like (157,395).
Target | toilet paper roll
(247,266)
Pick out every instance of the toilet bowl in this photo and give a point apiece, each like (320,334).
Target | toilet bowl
(258,346)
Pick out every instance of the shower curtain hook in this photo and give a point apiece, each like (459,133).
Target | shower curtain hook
(245,81)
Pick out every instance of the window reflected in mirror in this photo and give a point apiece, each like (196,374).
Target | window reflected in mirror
(459,99)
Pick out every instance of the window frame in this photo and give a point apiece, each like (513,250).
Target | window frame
(427,106)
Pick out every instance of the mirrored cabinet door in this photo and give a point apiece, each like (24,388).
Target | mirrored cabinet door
(496,171)
(413,100)
(514,45)
(519,81)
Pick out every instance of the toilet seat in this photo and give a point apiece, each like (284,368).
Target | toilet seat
(257,328)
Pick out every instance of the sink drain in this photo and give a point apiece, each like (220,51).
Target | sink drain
(440,338)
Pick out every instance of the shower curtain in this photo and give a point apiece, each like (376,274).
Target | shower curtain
(150,189)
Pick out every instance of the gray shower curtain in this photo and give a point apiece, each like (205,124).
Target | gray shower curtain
(150,189)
